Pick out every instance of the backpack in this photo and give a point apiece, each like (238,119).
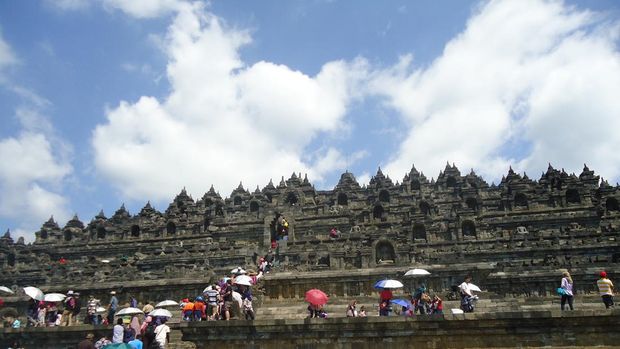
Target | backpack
(70,303)
(129,334)
(150,331)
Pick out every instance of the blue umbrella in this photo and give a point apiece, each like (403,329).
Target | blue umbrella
(402,303)
(388,284)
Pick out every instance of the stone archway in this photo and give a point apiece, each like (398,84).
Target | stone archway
(611,204)
(171,228)
(270,227)
(472,204)
(237,200)
(520,200)
(254,207)
(468,229)
(343,200)
(101,233)
(572,196)
(378,212)
(135,231)
(384,252)
(291,199)
(419,232)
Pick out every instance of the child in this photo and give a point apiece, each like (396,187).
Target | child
(362,312)
(383,309)
(437,305)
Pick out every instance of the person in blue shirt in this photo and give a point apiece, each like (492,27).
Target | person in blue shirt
(136,343)
(112,306)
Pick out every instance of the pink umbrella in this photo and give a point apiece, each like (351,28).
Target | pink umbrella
(316,297)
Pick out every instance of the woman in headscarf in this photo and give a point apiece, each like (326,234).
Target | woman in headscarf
(135,324)
(567,290)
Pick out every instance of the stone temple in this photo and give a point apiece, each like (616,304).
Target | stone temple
(515,238)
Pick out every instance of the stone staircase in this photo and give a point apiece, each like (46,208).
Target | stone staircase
(337,306)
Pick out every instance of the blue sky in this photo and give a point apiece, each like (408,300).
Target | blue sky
(106,102)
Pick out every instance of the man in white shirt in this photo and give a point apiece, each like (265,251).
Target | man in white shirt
(466,296)
(162,334)
(464,287)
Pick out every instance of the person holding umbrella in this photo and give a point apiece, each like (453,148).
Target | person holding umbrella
(316,299)
(467,297)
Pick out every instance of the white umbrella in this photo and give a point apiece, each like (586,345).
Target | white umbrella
(389,284)
(417,272)
(238,271)
(474,288)
(129,311)
(161,312)
(54,297)
(34,293)
(243,280)
(6,289)
(166,303)
(457,311)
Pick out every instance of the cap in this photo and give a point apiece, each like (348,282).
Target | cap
(90,336)
(112,292)
(603,274)
(69,293)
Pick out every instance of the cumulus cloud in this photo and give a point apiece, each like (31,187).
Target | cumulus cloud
(224,120)
(35,162)
(526,82)
(145,8)
(31,179)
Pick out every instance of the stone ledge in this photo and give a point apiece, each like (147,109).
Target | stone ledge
(509,329)
(580,328)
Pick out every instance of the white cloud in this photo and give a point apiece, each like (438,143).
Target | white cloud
(7,57)
(35,161)
(145,8)
(68,5)
(30,179)
(538,73)
(224,121)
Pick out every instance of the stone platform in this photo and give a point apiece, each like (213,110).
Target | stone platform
(586,328)
(525,329)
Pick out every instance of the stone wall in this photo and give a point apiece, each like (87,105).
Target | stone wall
(483,330)
(490,330)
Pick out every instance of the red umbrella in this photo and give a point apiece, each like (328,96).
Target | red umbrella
(316,297)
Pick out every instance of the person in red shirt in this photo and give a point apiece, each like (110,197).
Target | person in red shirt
(386,295)
(437,305)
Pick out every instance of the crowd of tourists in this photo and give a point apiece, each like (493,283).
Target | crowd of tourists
(217,301)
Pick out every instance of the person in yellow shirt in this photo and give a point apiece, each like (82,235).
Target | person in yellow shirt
(606,290)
